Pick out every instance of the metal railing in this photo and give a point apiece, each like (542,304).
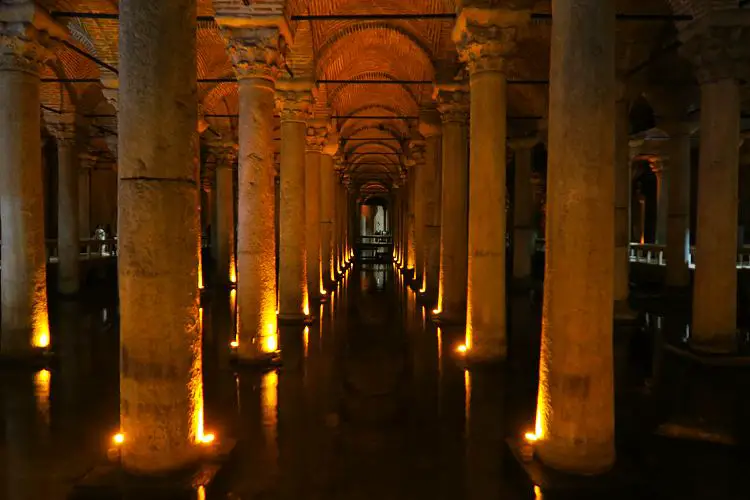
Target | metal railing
(90,249)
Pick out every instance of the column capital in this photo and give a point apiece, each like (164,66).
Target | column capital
(23,48)
(86,161)
(453,103)
(718,45)
(417,150)
(316,137)
(485,38)
(257,52)
(61,126)
(430,124)
(111,88)
(331,147)
(225,153)
(295,103)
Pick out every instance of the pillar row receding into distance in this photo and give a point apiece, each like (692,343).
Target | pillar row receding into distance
(718,72)
(431,129)
(453,104)
(575,409)
(62,128)
(418,192)
(295,102)
(485,39)
(327,214)
(257,61)
(24,275)
(161,399)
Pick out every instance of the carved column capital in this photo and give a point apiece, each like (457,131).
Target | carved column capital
(23,48)
(256,52)
(225,153)
(485,38)
(718,46)
(61,126)
(295,105)
(453,103)
(429,122)
(316,137)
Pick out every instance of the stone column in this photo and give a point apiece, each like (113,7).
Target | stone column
(485,39)
(315,140)
(418,193)
(410,234)
(715,285)
(86,163)
(523,210)
(347,224)
(327,216)
(678,228)
(257,62)
(431,129)
(575,412)
(453,104)
(62,128)
(295,104)
(23,278)
(662,199)
(161,388)
(337,222)
(224,244)
(623,180)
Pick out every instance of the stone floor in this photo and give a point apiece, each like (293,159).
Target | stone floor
(370,403)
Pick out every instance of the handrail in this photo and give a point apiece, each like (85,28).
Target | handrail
(90,249)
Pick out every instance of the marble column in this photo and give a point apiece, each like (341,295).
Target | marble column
(623,180)
(68,242)
(224,244)
(575,409)
(161,388)
(659,168)
(257,62)
(296,105)
(315,140)
(431,129)
(327,216)
(714,327)
(678,228)
(486,38)
(23,278)
(523,210)
(453,104)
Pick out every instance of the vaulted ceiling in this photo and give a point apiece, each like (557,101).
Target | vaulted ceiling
(374,121)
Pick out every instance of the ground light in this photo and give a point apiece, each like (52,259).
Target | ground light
(118,438)
(462,349)
(207,438)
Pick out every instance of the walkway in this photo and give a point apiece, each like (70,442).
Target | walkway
(369,404)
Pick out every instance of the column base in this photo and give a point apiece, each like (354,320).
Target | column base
(265,361)
(624,314)
(33,359)
(613,481)
(704,357)
(112,482)
(697,433)
(485,356)
(446,318)
(294,319)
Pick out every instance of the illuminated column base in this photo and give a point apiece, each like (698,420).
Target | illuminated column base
(25,325)
(161,388)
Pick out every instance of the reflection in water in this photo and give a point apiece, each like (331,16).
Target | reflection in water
(270,404)
(42,381)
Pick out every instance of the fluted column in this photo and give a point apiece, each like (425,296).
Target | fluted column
(678,230)
(23,278)
(431,129)
(161,399)
(314,142)
(575,412)
(453,104)
(485,39)
(327,216)
(715,285)
(62,128)
(523,210)
(257,61)
(295,104)
(224,244)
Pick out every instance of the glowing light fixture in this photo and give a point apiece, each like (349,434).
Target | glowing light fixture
(41,339)
(462,349)
(118,438)
(271,343)
(207,438)
(234,344)
(531,437)
(436,311)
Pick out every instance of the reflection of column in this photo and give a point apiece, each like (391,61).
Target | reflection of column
(23,275)
(523,209)
(68,243)
(623,181)
(662,199)
(431,128)
(453,104)
(315,140)
(715,285)
(575,412)
(161,389)
(293,294)
(256,59)
(486,39)
(678,227)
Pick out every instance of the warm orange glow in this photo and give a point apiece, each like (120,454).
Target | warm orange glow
(42,383)
(537,493)
(270,339)
(207,438)
(323,291)
(195,384)
(118,438)
(232,271)
(306,339)
(462,349)
(201,493)
(436,311)
(41,335)
(531,437)
(234,344)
